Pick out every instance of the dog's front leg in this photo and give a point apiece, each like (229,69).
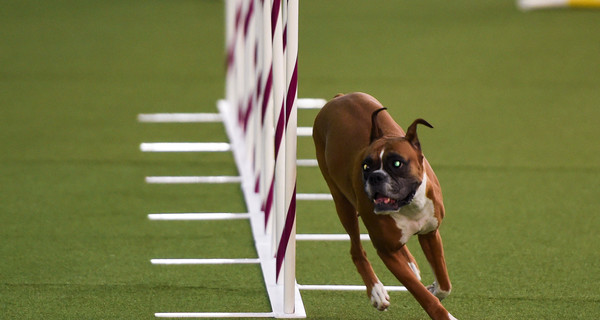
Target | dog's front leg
(397,263)
(375,289)
(431,244)
(349,219)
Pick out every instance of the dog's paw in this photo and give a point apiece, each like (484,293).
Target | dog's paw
(434,288)
(380,299)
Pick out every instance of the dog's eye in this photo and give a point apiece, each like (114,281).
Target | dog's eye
(397,164)
(365,167)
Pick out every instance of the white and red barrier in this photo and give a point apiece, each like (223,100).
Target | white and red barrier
(260,116)
(262,84)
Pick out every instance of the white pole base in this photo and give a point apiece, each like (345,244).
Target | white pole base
(180,117)
(328,237)
(314,196)
(215,315)
(337,287)
(193,179)
(185,147)
(197,216)
(203,261)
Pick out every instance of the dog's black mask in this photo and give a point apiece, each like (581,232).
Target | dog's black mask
(388,182)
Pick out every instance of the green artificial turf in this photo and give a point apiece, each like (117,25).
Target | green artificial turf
(513,97)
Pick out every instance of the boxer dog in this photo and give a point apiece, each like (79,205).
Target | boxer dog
(376,171)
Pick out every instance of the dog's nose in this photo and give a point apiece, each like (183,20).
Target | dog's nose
(376,177)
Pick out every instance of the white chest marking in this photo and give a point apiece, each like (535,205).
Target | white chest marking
(417,216)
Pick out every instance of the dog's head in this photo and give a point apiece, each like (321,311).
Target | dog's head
(392,167)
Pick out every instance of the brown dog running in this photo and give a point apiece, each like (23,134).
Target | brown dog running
(376,171)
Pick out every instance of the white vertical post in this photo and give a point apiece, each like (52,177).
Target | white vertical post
(279,119)
(235,50)
(262,84)
(230,7)
(249,96)
(258,90)
(238,63)
(268,135)
(291,142)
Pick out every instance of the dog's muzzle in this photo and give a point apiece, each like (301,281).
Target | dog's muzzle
(387,196)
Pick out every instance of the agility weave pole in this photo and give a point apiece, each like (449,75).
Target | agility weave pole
(545,4)
(260,117)
(262,41)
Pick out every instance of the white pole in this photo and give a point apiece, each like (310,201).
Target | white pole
(238,59)
(230,39)
(279,119)
(291,142)
(268,163)
(258,90)
(249,97)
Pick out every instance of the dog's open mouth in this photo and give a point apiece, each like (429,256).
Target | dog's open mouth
(385,204)
(384,200)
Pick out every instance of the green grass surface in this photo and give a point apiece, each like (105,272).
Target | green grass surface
(513,96)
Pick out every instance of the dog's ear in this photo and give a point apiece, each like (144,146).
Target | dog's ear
(411,133)
(376,132)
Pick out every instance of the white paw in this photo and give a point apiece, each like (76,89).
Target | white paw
(439,293)
(379,297)
(451,317)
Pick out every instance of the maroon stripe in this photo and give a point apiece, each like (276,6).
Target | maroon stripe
(240,113)
(257,184)
(229,59)
(246,117)
(274,13)
(266,92)
(269,202)
(248,16)
(258,85)
(286,234)
(291,94)
(279,131)
(238,16)
(284,37)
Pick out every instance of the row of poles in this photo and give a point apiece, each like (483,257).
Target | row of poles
(261,89)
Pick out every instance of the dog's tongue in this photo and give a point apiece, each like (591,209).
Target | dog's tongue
(382,199)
